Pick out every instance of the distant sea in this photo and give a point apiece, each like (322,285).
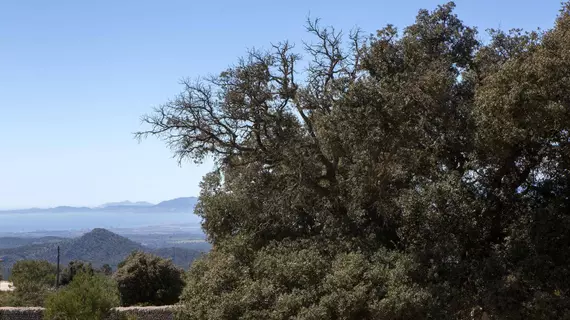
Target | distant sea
(44,221)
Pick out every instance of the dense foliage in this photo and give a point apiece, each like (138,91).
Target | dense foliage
(33,280)
(74,268)
(106,270)
(146,279)
(87,297)
(419,174)
(6,298)
(38,271)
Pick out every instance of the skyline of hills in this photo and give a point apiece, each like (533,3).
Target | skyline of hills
(99,246)
(182,204)
(126,203)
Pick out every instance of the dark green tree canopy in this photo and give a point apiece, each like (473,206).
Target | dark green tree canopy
(412,174)
(106,270)
(74,268)
(146,279)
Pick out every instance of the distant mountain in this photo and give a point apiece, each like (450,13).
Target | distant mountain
(183,205)
(98,246)
(127,204)
(178,203)
(70,209)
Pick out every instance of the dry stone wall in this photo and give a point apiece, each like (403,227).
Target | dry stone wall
(21,313)
(139,313)
(144,313)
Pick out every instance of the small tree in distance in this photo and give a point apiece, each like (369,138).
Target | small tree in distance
(146,279)
(73,268)
(106,270)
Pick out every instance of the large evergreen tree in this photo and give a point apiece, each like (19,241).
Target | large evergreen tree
(409,175)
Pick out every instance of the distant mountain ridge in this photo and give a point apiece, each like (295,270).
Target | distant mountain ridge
(126,203)
(184,205)
(99,246)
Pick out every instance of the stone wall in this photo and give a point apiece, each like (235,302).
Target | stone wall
(143,313)
(139,313)
(21,313)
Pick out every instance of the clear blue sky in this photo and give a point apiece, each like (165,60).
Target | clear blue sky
(75,77)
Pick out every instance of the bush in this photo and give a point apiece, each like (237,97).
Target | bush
(6,299)
(28,295)
(146,279)
(38,271)
(87,297)
(33,279)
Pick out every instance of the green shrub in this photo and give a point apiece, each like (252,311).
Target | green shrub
(146,279)
(38,271)
(6,299)
(87,297)
(33,280)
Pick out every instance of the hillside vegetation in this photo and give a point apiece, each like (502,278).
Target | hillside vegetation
(98,247)
(141,279)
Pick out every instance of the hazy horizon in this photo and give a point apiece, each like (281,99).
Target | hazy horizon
(92,206)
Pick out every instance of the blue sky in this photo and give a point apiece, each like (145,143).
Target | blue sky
(75,77)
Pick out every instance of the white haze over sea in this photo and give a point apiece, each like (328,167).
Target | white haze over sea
(49,221)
